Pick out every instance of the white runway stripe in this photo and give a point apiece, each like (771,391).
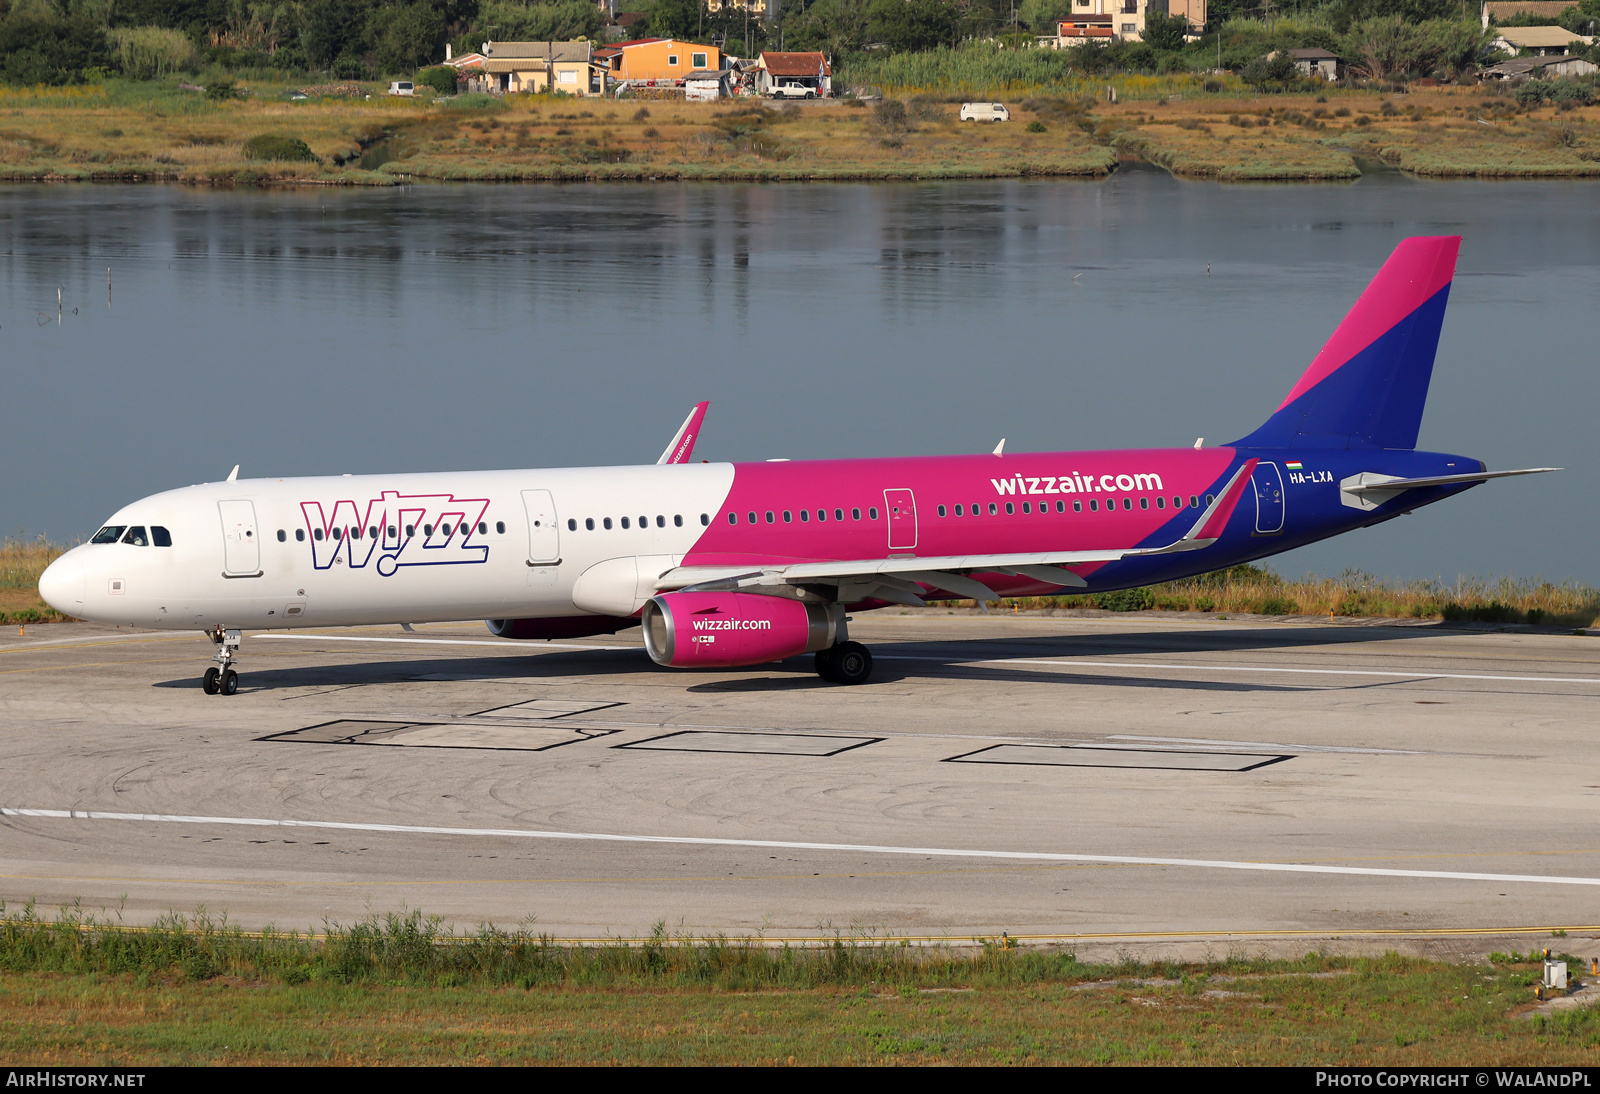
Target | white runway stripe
(795,845)
(1203,666)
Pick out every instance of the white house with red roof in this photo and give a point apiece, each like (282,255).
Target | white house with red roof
(808,70)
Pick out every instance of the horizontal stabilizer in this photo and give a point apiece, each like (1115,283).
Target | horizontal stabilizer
(1369,490)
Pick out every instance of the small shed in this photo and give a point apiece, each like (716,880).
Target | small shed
(706,85)
(1318,63)
(1539,68)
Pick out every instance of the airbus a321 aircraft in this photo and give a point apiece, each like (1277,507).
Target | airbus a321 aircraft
(739,564)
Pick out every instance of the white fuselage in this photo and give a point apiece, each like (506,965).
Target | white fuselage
(468,545)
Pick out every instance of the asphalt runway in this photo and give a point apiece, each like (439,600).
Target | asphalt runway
(1116,780)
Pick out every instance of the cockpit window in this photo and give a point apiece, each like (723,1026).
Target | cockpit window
(109,534)
(160,536)
(136,536)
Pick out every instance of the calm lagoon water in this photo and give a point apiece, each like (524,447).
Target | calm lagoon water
(442,327)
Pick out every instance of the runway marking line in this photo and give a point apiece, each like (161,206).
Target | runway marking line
(798,845)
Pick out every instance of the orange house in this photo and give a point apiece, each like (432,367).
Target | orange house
(657,59)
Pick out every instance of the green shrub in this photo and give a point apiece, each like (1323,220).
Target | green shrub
(1036,127)
(1276,605)
(273,146)
(1533,92)
(1126,600)
(442,78)
(1572,92)
(221,90)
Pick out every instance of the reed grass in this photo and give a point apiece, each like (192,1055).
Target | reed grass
(1352,594)
(984,70)
(21,562)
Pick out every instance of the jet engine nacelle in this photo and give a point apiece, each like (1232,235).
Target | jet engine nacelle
(725,629)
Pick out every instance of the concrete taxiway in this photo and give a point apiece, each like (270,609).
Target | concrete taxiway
(1113,778)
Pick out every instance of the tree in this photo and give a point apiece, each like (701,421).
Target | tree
(909,25)
(1273,72)
(407,36)
(41,47)
(1163,31)
(1042,16)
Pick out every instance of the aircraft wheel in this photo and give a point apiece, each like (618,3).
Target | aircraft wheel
(852,663)
(209,681)
(230,682)
(824,663)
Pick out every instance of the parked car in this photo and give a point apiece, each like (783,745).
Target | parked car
(792,91)
(984,112)
(402,87)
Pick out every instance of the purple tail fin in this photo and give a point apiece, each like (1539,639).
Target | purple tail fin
(1367,387)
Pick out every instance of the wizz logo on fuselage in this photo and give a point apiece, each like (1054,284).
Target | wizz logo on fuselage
(396,530)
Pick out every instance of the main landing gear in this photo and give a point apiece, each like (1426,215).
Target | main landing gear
(846,663)
(221,677)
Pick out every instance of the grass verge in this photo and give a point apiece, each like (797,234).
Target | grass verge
(1258,591)
(401,989)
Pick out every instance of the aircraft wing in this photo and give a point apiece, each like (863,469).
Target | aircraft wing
(900,580)
(682,446)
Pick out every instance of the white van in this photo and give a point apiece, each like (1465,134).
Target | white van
(984,112)
(402,87)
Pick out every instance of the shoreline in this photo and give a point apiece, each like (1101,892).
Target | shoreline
(138,134)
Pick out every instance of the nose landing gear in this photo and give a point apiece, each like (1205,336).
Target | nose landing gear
(846,663)
(221,677)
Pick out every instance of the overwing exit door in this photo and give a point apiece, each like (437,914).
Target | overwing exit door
(1269,499)
(901,508)
(544,534)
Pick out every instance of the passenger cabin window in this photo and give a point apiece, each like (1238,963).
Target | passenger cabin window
(500,526)
(855,514)
(788,517)
(1061,507)
(1209,500)
(661,521)
(752,518)
(805,516)
(299,535)
(941,511)
(1094,506)
(572,525)
(838,514)
(483,528)
(1077,506)
(958,510)
(411,530)
(393,532)
(136,536)
(1027,507)
(283,537)
(1194,501)
(993,509)
(1144,503)
(606,523)
(1161,503)
(769,516)
(644,522)
(872,514)
(316,534)
(733,518)
(589,523)
(1010,509)
(705,519)
(109,534)
(624,522)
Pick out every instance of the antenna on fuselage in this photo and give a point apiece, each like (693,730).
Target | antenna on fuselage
(1000,449)
(233,476)
(1199,442)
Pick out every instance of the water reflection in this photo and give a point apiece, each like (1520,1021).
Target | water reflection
(434,327)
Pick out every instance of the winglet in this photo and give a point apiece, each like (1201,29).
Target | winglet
(1209,528)
(682,446)
(233,476)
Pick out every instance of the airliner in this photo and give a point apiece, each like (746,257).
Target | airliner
(733,564)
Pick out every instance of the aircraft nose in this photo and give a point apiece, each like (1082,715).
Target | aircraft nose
(63,584)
